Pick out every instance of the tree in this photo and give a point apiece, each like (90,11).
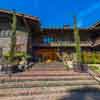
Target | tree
(13,36)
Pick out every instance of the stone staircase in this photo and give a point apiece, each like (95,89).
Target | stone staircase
(44,82)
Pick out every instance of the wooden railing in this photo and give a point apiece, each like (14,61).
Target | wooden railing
(97,42)
(64,44)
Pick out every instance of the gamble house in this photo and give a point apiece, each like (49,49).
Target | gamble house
(45,43)
(49,41)
(25,26)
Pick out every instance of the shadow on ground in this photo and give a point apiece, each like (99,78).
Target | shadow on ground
(83,94)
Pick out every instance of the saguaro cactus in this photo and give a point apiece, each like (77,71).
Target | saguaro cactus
(13,36)
(94,57)
(77,41)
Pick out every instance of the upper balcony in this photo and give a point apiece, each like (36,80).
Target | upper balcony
(97,42)
(63,44)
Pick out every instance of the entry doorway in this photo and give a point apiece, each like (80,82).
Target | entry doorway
(46,55)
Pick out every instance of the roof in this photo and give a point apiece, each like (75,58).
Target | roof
(69,29)
(20,14)
(95,26)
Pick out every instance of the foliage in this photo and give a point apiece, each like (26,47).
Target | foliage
(95,68)
(17,54)
(91,57)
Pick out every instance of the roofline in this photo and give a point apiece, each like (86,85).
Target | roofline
(69,29)
(62,28)
(20,14)
(94,25)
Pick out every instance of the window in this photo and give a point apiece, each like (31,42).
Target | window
(47,39)
(5,33)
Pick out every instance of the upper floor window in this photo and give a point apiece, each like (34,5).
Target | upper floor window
(5,33)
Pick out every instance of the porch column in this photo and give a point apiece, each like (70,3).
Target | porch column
(29,42)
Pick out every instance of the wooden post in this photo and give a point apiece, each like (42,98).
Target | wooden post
(29,45)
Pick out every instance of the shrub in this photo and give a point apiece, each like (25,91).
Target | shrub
(17,54)
(95,68)
(91,57)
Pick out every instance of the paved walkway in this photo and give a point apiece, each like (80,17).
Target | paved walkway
(82,96)
(49,82)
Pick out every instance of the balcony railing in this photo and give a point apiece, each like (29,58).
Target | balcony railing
(63,44)
(97,42)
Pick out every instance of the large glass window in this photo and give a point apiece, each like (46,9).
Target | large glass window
(47,39)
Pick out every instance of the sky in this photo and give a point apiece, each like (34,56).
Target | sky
(56,13)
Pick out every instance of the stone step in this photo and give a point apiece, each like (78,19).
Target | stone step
(45,64)
(44,78)
(53,96)
(49,73)
(49,69)
(27,75)
(47,90)
(27,84)
(52,71)
(57,96)
(49,65)
(44,83)
(36,91)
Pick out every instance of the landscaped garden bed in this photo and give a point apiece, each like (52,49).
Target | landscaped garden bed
(95,67)
(94,71)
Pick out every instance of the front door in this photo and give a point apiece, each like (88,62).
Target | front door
(47,54)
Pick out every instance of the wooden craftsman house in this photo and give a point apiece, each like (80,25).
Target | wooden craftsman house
(43,44)
(25,26)
(47,42)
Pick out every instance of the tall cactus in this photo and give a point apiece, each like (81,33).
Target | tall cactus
(13,36)
(77,41)
(93,57)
